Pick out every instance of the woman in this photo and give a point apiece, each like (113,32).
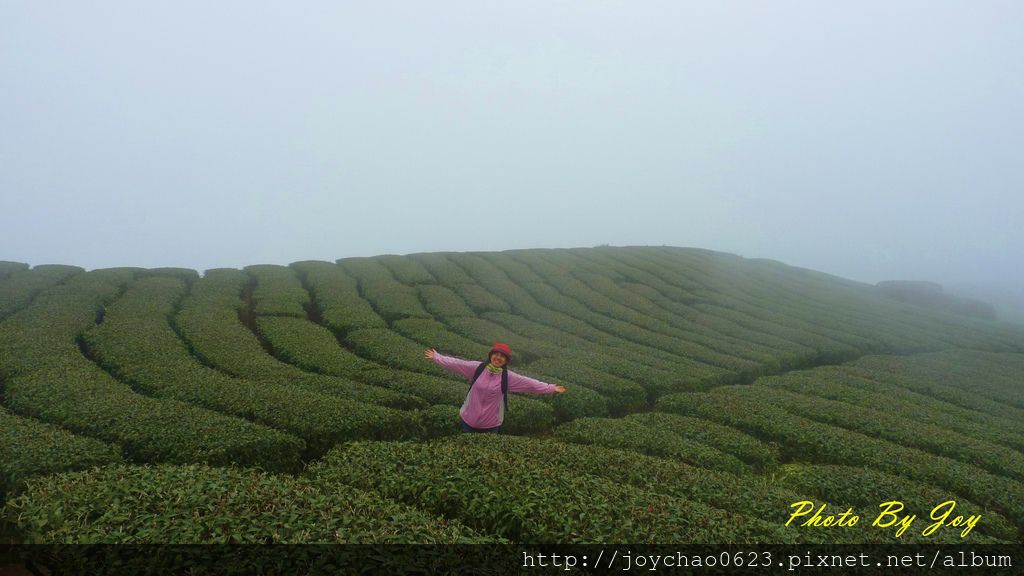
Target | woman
(484,407)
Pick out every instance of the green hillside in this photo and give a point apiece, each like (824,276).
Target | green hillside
(706,394)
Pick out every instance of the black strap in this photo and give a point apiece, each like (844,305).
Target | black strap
(504,381)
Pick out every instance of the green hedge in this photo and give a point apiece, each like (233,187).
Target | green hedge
(630,434)
(790,354)
(47,377)
(313,347)
(491,483)
(138,344)
(747,495)
(277,290)
(762,456)
(525,350)
(751,496)
(622,396)
(210,325)
(861,308)
(494,281)
(941,386)
(7,268)
(433,334)
(440,420)
(548,296)
(632,362)
(336,297)
(31,448)
(405,270)
(389,297)
(186,275)
(756,292)
(840,383)
(723,303)
(807,440)
(560,291)
(443,302)
(18,289)
(557,299)
(480,299)
(202,505)
(989,374)
(930,434)
(578,401)
(392,350)
(441,267)
(631,303)
(870,488)
(825,349)
(87,401)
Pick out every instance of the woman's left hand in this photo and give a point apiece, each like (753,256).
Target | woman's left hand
(560,389)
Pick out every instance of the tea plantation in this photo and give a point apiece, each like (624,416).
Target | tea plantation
(706,394)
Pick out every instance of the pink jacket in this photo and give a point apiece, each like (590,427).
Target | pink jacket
(484,407)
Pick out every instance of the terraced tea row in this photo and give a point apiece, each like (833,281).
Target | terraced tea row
(46,377)
(199,504)
(20,285)
(137,343)
(533,490)
(803,439)
(209,322)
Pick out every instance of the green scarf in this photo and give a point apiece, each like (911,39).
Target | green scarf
(493,369)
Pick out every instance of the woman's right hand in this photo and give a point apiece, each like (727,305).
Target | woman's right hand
(430,353)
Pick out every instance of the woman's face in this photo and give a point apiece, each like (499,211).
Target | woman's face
(498,359)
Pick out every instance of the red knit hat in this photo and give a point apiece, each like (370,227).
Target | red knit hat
(503,348)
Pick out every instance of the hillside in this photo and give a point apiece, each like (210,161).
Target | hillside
(705,394)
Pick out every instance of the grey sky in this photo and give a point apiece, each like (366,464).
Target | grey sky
(872,140)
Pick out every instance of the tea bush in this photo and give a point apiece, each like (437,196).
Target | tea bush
(195,504)
(839,383)
(31,448)
(138,344)
(405,270)
(807,440)
(336,297)
(442,302)
(209,324)
(46,377)
(941,385)
(480,299)
(21,285)
(277,291)
(489,486)
(929,434)
(433,334)
(7,268)
(750,450)
(389,298)
(314,348)
(441,267)
(630,434)
(870,488)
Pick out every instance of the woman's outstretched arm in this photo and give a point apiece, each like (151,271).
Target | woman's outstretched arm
(465,368)
(527,385)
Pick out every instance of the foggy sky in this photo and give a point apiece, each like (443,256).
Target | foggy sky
(871,140)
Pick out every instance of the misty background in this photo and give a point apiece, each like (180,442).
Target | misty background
(871,140)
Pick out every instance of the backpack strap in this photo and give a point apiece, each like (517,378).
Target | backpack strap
(504,381)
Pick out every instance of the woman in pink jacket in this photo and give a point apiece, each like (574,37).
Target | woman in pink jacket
(484,407)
